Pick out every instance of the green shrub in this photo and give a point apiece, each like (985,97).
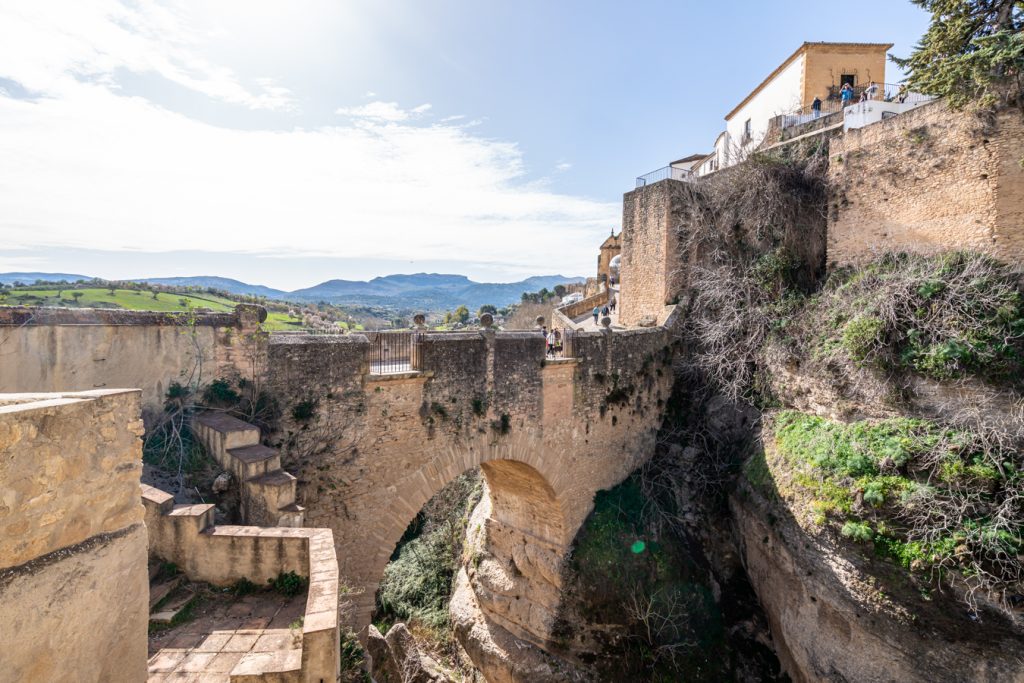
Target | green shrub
(858,531)
(862,336)
(288,583)
(304,411)
(220,393)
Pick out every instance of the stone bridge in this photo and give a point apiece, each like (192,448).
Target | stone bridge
(370,450)
(546,434)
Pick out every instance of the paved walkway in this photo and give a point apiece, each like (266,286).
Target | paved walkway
(587,322)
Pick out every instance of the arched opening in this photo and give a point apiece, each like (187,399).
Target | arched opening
(517,525)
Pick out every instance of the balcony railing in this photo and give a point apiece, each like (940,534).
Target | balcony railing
(667,173)
(833,103)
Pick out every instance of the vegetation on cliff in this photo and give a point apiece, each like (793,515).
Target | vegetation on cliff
(941,497)
(934,499)
(417,584)
(641,602)
(945,317)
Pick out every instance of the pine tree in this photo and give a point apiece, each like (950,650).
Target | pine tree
(972,53)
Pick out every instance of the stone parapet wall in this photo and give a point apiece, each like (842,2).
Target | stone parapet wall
(67,461)
(926,181)
(586,305)
(73,579)
(54,349)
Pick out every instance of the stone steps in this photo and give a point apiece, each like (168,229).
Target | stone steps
(267,491)
(283,666)
(159,591)
(178,603)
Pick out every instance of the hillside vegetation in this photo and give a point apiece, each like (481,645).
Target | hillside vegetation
(128,299)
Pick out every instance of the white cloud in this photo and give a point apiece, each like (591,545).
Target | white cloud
(383,111)
(563,166)
(87,167)
(46,46)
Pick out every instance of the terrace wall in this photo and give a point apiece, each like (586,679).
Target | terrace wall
(53,349)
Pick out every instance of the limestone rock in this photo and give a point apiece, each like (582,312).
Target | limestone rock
(222,483)
(397,658)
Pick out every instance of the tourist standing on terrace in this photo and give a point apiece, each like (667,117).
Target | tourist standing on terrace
(816,106)
(846,93)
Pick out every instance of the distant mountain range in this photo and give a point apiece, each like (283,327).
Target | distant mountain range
(426,291)
(29,278)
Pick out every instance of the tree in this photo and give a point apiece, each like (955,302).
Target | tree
(113,290)
(488,308)
(461,314)
(560,291)
(971,54)
(77,296)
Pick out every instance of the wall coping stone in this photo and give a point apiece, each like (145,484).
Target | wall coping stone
(17,316)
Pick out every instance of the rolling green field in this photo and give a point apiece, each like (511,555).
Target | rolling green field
(129,299)
(137,300)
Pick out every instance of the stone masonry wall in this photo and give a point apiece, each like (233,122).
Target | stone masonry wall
(46,349)
(73,578)
(649,251)
(926,181)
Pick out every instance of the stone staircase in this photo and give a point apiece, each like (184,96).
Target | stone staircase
(185,524)
(267,491)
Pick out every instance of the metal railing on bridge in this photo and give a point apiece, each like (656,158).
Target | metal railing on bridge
(568,349)
(667,173)
(393,352)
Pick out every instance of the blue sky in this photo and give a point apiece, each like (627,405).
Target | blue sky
(288,143)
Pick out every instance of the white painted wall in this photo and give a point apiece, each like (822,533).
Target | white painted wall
(780,95)
(716,160)
(865,113)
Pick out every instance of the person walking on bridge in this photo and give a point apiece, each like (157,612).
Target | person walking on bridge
(597,312)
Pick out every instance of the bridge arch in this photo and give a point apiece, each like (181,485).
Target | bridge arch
(526,531)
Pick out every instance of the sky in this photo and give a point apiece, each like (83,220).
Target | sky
(287,143)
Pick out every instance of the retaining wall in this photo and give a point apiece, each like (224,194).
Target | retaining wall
(53,349)
(925,181)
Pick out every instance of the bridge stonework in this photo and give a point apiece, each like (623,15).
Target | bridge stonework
(547,436)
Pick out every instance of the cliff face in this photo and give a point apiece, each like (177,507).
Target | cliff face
(837,614)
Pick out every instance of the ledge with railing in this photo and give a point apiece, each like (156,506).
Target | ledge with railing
(834,104)
(666,173)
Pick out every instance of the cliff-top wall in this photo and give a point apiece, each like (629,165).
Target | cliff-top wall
(928,180)
(649,266)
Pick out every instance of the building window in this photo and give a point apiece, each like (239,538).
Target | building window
(850,79)
(747,131)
